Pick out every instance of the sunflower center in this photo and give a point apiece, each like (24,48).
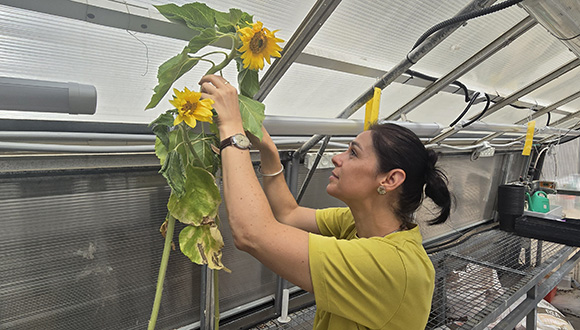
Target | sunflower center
(258,42)
(189,107)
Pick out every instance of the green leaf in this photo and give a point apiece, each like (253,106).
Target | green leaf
(169,72)
(203,245)
(194,15)
(248,80)
(227,22)
(173,171)
(205,38)
(160,150)
(252,115)
(201,199)
(161,126)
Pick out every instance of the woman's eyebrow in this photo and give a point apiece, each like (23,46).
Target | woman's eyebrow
(355,144)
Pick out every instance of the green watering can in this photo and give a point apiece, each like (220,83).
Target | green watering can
(538,202)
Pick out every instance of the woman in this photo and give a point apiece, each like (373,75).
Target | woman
(365,264)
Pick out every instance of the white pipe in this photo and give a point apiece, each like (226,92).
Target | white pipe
(35,135)
(284,314)
(72,148)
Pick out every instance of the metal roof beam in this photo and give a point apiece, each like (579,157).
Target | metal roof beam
(319,13)
(516,95)
(537,114)
(489,50)
(412,57)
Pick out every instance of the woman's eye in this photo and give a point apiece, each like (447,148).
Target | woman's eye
(352,152)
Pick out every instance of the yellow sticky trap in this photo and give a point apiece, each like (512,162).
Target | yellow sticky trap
(529,138)
(372,108)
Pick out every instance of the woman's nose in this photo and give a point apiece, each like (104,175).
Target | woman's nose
(335,160)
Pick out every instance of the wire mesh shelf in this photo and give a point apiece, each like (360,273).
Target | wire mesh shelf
(473,280)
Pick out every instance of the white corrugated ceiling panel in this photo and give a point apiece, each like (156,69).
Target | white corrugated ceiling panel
(367,33)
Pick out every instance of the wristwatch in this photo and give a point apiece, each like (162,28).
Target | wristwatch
(239,141)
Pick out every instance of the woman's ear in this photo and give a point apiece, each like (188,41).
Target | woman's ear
(393,179)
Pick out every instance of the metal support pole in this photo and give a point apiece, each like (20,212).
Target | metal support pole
(312,169)
(496,45)
(207,303)
(413,57)
(292,181)
(319,13)
(531,317)
(516,95)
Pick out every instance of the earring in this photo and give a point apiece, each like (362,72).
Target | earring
(381,190)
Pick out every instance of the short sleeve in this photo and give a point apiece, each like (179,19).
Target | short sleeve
(363,280)
(335,221)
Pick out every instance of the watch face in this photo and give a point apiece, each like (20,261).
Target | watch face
(241,141)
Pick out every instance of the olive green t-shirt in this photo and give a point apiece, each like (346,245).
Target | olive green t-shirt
(368,283)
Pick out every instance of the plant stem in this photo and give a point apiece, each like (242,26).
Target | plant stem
(162,271)
(188,142)
(228,58)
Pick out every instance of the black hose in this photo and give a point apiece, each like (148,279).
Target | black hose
(473,98)
(464,237)
(482,113)
(426,77)
(465,17)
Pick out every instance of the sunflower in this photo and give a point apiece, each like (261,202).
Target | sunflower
(190,108)
(258,44)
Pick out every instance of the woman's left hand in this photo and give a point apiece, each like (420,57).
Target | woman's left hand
(225,97)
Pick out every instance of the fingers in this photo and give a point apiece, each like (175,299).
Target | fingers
(214,81)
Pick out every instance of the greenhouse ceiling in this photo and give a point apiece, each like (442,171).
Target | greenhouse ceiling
(343,49)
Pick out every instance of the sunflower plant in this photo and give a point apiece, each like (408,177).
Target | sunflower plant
(190,159)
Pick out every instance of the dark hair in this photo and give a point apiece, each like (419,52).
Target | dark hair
(398,147)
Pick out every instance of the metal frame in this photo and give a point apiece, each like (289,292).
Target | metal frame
(537,114)
(319,13)
(502,41)
(516,95)
(536,293)
(412,57)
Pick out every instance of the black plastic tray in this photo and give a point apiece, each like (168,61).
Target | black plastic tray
(566,231)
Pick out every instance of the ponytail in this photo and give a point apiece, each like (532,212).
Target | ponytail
(436,188)
(398,147)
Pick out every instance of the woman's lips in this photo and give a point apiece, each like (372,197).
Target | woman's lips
(333,176)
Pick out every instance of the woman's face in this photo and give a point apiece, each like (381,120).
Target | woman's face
(355,175)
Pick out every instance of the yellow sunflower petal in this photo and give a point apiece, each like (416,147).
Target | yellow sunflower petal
(190,121)
(177,120)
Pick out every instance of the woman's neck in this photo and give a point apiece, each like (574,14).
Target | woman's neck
(373,222)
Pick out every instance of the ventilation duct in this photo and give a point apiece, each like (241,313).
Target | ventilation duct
(560,17)
(47,96)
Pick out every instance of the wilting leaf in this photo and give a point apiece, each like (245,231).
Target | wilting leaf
(203,244)
(201,199)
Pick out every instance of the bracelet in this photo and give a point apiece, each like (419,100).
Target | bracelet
(273,174)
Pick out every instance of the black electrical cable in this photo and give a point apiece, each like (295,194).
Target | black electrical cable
(426,77)
(473,98)
(460,239)
(465,17)
(488,101)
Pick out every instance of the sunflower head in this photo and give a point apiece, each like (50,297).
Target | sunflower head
(190,108)
(258,43)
